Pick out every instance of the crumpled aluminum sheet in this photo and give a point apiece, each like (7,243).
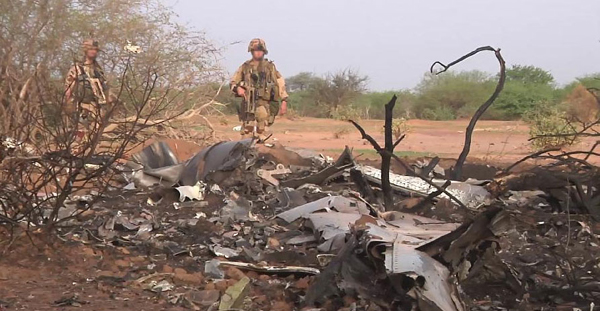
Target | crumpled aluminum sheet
(157,164)
(437,291)
(338,203)
(472,196)
(222,155)
(157,155)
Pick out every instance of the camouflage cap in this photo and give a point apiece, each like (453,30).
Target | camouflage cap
(90,44)
(258,44)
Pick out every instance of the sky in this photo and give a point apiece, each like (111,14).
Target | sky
(394,42)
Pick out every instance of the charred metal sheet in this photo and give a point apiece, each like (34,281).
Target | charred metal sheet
(418,226)
(317,178)
(472,196)
(221,156)
(338,203)
(157,155)
(160,166)
(166,176)
(344,162)
(411,280)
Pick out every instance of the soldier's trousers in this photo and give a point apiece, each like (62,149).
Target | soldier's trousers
(261,117)
(88,119)
(264,116)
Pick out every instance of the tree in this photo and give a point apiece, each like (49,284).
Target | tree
(451,95)
(339,89)
(519,98)
(302,81)
(590,81)
(526,87)
(529,75)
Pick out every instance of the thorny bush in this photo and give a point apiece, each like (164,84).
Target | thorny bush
(549,127)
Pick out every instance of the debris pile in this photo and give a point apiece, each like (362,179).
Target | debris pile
(241,226)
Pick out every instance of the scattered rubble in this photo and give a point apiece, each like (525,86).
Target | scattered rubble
(241,226)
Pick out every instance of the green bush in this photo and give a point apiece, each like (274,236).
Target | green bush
(439,113)
(347,113)
(549,127)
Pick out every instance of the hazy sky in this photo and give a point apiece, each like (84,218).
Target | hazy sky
(394,42)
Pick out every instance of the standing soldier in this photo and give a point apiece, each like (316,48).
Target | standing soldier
(87,88)
(262,87)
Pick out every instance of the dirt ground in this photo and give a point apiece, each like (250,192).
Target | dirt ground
(495,142)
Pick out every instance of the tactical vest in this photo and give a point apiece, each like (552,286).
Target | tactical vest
(263,79)
(84,92)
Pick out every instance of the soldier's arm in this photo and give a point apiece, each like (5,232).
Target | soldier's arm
(236,80)
(281,84)
(282,91)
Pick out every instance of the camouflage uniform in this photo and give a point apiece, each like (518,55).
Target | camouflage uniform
(260,79)
(88,88)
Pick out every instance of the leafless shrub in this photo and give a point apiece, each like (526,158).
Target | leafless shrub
(45,163)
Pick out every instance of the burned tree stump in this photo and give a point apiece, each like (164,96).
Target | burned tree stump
(387,153)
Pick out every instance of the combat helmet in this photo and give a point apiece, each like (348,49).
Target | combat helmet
(89,44)
(258,44)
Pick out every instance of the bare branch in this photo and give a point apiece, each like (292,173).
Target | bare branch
(457,171)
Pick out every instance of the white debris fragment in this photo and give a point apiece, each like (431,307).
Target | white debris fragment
(193,193)
(130,48)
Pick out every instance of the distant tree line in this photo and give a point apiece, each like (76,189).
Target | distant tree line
(453,95)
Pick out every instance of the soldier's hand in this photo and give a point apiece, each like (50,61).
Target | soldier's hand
(283,108)
(241,92)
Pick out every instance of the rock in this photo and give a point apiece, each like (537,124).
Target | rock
(210,286)
(252,274)
(180,271)
(235,273)
(181,276)
(273,243)
(167,269)
(221,285)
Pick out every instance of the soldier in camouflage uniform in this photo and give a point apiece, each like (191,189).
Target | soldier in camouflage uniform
(86,88)
(262,87)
